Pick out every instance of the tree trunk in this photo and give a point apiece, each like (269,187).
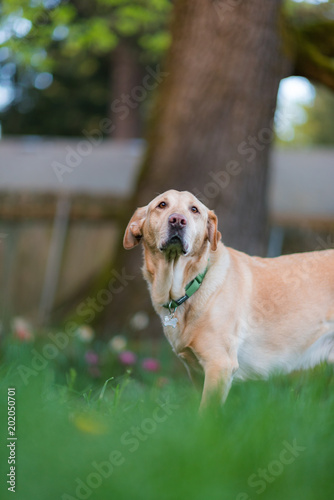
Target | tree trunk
(211,131)
(125,76)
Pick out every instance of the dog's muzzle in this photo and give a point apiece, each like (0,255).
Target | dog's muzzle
(177,225)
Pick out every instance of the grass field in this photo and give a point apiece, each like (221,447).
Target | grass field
(139,436)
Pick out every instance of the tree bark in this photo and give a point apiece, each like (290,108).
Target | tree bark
(125,76)
(211,130)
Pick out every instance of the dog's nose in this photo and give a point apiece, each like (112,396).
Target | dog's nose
(177,221)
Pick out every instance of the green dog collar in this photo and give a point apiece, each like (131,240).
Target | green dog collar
(190,289)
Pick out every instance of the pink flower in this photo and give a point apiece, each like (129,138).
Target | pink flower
(127,357)
(151,365)
(92,358)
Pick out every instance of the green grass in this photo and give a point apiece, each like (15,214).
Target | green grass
(68,435)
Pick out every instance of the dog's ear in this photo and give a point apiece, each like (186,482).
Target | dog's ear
(133,233)
(213,233)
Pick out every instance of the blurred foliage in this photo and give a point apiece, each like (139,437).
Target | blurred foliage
(83,352)
(309,30)
(75,100)
(72,42)
(69,27)
(319,125)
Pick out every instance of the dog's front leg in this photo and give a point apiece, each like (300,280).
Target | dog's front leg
(217,380)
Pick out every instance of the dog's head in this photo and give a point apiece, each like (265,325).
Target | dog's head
(174,223)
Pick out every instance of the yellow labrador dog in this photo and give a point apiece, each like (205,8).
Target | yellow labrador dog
(231,314)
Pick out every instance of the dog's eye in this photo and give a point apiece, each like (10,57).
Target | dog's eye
(163,204)
(194,210)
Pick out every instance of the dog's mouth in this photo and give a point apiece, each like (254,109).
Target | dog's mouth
(174,245)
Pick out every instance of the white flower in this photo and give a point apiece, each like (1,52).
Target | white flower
(140,321)
(85,333)
(117,343)
(22,330)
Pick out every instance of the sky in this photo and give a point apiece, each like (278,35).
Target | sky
(293,93)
